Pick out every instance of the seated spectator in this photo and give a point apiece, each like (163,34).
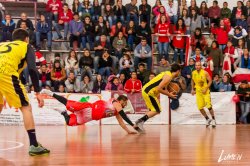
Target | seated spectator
(86,9)
(120,11)
(75,29)
(76,6)
(123,78)
(216,83)
(86,64)
(54,7)
(101,28)
(113,84)
(98,84)
(208,66)
(195,21)
(187,74)
(164,66)
(142,53)
(86,85)
(132,12)
(65,17)
(237,11)
(72,83)
(58,75)
(193,6)
(61,89)
(143,31)
(151,76)
(8,26)
(143,73)
(244,94)
(111,2)
(242,22)
(225,85)
(28,22)
(44,76)
(145,11)
(108,15)
(243,61)
(43,31)
(216,54)
(198,40)
(71,63)
(115,29)
(198,56)
(204,15)
(130,34)
(126,65)
(214,13)
(119,43)
(58,57)
(172,9)
(225,12)
(105,64)
(96,11)
(40,60)
(88,34)
(209,41)
(156,10)
(32,39)
(237,33)
(133,85)
(187,20)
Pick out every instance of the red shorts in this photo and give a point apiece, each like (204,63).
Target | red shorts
(74,106)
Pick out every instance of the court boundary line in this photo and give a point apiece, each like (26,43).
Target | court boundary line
(19,145)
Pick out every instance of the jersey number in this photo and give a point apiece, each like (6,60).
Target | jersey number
(8,48)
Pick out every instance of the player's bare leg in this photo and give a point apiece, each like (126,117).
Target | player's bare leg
(213,122)
(208,121)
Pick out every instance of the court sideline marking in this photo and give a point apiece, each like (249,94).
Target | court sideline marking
(19,145)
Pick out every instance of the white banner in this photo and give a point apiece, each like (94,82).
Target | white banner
(188,113)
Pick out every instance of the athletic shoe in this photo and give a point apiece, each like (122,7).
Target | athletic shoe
(39,150)
(139,123)
(59,110)
(46,91)
(208,121)
(213,122)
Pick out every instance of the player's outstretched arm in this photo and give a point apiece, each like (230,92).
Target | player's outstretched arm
(123,125)
(162,87)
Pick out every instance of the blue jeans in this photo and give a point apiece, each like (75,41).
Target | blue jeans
(42,84)
(133,17)
(88,39)
(145,17)
(245,109)
(163,49)
(181,55)
(105,71)
(222,47)
(26,75)
(205,22)
(174,19)
(95,18)
(75,72)
(131,39)
(148,61)
(87,71)
(40,36)
(119,18)
(110,20)
(59,27)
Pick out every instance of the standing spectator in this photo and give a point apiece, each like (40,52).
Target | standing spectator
(187,20)
(216,54)
(193,6)
(214,13)
(75,29)
(86,64)
(120,11)
(72,83)
(145,11)
(195,21)
(143,73)
(71,63)
(8,26)
(126,65)
(131,34)
(54,7)
(86,85)
(142,53)
(187,73)
(58,75)
(99,84)
(113,84)
(88,34)
(225,85)
(29,23)
(215,83)
(119,43)
(243,61)
(162,31)
(65,17)
(230,53)
(179,41)
(105,64)
(244,93)
(101,28)
(198,40)
(44,76)
(164,66)
(96,11)
(225,11)
(204,15)
(108,15)
(132,11)
(237,12)
(76,6)
(172,9)
(86,9)
(43,31)
(133,85)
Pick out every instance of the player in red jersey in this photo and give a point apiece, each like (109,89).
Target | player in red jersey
(83,112)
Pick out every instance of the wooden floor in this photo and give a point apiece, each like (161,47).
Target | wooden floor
(191,145)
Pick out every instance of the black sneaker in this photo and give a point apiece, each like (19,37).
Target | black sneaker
(39,150)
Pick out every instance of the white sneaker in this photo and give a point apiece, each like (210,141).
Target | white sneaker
(213,122)
(139,123)
(208,121)
(46,91)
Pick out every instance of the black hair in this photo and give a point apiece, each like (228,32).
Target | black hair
(122,97)
(20,34)
(175,67)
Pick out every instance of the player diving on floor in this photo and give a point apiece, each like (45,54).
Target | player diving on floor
(83,112)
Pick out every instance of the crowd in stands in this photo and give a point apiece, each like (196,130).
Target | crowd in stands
(115,40)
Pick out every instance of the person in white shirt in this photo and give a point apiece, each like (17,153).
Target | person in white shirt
(171,10)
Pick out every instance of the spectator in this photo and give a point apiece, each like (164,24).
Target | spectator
(143,31)
(126,65)
(75,29)
(151,76)
(187,73)
(113,84)
(101,28)
(86,85)
(72,83)
(225,85)
(242,22)
(214,13)
(119,43)
(236,34)
(76,6)
(142,53)
(58,75)
(131,34)
(132,11)
(65,17)
(179,41)
(43,31)
(198,40)
(71,63)
(143,73)
(105,64)
(162,31)
(145,11)
(198,57)
(24,18)
(96,11)
(88,34)
(58,57)
(133,85)
(216,54)
(32,40)
(115,29)
(164,66)
(243,61)
(8,26)
(244,93)
(159,12)
(240,47)
(209,41)
(40,60)
(111,2)
(193,6)
(123,78)
(86,64)
(156,10)
(215,83)
(108,15)
(99,84)
(86,9)
(230,53)
(225,11)
(209,66)
(61,89)
(120,11)
(204,15)
(237,12)
(195,21)
(172,9)
(187,20)
(183,6)
(54,7)
(44,76)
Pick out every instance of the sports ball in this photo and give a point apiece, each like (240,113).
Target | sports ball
(173,87)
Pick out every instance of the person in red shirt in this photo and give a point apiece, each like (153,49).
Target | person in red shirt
(54,7)
(65,17)
(179,41)
(83,112)
(133,85)
(162,31)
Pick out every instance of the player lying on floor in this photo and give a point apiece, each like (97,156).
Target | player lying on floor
(83,112)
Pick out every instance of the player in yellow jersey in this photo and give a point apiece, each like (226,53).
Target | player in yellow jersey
(151,91)
(14,57)
(201,82)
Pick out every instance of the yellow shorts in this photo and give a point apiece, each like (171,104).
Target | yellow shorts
(14,91)
(152,102)
(203,100)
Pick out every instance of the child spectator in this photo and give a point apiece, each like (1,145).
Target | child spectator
(126,65)
(113,84)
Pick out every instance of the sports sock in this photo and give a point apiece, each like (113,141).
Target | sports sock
(213,117)
(144,118)
(32,137)
(66,116)
(61,99)
(206,117)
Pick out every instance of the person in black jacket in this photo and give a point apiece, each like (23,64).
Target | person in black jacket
(234,16)
(99,84)
(120,11)
(28,22)
(96,10)
(101,28)
(145,11)
(143,31)
(88,33)
(105,64)
(86,64)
